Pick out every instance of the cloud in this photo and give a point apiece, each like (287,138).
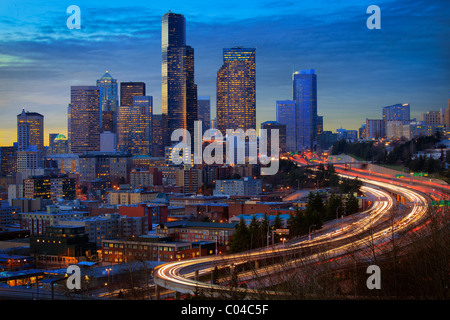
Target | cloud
(359,70)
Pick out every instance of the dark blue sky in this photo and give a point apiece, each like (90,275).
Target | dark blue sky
(359,70)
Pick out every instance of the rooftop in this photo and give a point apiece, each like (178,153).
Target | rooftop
(197,224)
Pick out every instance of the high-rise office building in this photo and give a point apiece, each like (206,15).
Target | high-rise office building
(158,135)
(8,160)
(30,130)
(84,119)
(108,102)
(396,112)
(135,126)
(204,112)
(305,97)
(269,125)
(375,128)
(286,115)
(130,89)
(300,114)
(58,144)
(319,124)
(432,117)
(362,131)
(179,91)
(236,90)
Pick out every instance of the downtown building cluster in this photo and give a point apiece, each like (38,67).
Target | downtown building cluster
(396,123)
(109,192)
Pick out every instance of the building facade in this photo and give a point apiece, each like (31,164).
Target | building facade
(204,112)
(130,89)
(179,91)
(286,115)
(375,128)
(109,101)
(247,186)
(396,112)
(84,119)
(269,125)
(30,130)
(305,97)
(135,126)
(236,90)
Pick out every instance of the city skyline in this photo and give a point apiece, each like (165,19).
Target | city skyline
(356,66)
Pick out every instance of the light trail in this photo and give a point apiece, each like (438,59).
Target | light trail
(178,276)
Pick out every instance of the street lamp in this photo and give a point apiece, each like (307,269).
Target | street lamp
(108,270)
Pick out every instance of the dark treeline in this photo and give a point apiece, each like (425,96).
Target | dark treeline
(401,153)
(294,177)
(254,235)
(319,210)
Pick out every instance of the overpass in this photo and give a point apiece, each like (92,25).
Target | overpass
(183,276)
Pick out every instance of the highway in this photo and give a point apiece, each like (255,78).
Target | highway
(337,240)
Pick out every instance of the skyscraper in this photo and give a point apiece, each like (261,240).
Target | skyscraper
(396,112)
(269,125)
(204,112)
(134,126)
(236,90)
(108,102)
(300,114)
(158,134)
(305,97)
(84,119)
(286,115)
(30,130)
(8,160)
(375,128)
(179,91)
(130,89)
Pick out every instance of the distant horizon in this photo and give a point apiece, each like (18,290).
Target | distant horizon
(359,71)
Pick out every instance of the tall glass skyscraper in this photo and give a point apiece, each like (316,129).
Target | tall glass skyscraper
(204,112)
(130,89)
(30,130)
(305,97)
(300,114)
(179,91)
(269,125)
(135,126)
(236,90)
(109,101)
(286,114)
(84,119)
(158,135)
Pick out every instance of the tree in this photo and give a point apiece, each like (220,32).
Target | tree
(351,204)
(333,203)
(277,225)
(253,230)
(263,230)
(296,223)
(241,238)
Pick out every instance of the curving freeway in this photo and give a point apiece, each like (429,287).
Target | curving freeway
(336,239)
